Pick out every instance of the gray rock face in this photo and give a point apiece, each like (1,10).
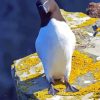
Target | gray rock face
(85,80)
(94,9)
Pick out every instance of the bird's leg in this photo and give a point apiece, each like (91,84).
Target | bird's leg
(51,81)
(51,89)
(70,88)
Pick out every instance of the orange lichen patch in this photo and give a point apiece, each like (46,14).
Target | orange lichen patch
(87,23)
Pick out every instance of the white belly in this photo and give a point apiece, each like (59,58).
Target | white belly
(53,44)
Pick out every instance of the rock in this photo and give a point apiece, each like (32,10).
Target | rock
(94,9)
(85,80)
(96,50)
(87,96)
(31,83)
(98,58)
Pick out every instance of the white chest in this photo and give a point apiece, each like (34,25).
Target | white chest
(54,43)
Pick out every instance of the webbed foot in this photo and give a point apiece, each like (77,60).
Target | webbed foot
(52,90)
(71,89)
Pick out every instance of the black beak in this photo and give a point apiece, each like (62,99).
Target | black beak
(43,8)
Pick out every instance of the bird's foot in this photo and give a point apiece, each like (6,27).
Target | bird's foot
(71,89)
(52,90)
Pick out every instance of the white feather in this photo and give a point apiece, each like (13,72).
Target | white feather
(54,45)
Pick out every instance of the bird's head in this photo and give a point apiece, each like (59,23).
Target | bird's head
(43,6)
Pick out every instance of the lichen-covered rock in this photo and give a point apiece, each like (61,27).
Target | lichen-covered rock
(84,75)
(31,83)
(94,9)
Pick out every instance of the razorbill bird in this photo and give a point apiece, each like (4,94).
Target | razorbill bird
(55,44)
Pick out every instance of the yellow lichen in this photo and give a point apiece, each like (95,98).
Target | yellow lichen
(64,13)
(96,95)
(27,62)
(81,15)
(81,64)
(87,23)
(42,95)
(69,18)
(98,29)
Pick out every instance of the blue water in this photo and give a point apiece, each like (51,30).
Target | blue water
(75,5)
(95,0)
